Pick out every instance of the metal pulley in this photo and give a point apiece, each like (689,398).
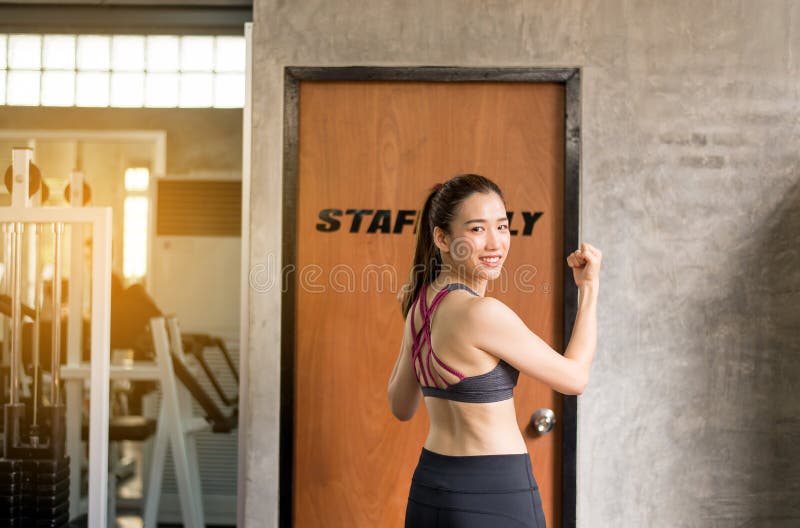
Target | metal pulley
(35,179)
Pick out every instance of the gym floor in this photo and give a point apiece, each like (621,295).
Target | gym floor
(125,520)
(129,488)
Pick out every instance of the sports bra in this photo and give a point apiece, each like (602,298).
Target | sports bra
(496,385)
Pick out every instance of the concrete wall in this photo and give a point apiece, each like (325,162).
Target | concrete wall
(690,186)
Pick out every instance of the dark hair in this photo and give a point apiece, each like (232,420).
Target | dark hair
(439,210)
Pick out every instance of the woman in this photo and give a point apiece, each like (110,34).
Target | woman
(474,469)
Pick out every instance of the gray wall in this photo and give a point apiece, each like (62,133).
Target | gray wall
(690,175)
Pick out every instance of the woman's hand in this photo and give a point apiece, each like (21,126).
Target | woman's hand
(585,264)
(402,294)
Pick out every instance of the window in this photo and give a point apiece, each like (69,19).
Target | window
(135,224)
(126,71)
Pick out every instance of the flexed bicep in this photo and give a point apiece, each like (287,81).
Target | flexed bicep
(500,332)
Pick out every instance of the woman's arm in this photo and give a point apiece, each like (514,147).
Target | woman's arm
(500,332)
(404,391)
(583,342)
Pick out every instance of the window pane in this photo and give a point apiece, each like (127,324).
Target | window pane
(59,52)
(93,52)
(23,88)
(134,244)
(92,89)
(3,40)
(162,54)
(58,88)
(197,54)
(2,87)
(230,54)
(229,90)
(127,89)
(137,179)
(25,52)
(197,90)
(161,90)
(127,53)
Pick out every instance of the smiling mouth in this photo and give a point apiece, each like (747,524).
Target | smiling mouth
(490,260)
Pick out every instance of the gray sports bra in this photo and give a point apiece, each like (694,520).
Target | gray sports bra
(496,385)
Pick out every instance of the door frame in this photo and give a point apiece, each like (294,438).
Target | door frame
(293,75)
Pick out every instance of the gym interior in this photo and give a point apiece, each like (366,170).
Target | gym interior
(209,209)
(122,128)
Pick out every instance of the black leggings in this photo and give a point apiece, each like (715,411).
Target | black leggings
(490,491)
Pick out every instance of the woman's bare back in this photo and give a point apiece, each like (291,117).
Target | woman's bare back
(458,427)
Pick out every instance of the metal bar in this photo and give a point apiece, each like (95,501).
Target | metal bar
(49,215)
(114,136)
(571,233)
(55,343)
(185,395)
(111,19)
(16,311)
(20,163)
(244,300)
(171,406)
(155,471)
(37,303)
(74,388)
(139,371)
(291,168)
(101,344)
(7,290)
(429,74)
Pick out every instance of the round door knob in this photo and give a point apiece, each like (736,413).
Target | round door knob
(543,421)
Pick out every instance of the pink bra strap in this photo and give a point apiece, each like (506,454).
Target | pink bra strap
(416,348)
(413,326)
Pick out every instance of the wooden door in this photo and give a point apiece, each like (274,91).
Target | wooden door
(368,152)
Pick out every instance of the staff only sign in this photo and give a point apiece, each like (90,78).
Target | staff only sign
(388,221)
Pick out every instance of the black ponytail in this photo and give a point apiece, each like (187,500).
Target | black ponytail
(439,210)
(427,260)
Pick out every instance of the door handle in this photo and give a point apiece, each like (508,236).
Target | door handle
(543,421)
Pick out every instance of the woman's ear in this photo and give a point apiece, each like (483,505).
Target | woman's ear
(440,239)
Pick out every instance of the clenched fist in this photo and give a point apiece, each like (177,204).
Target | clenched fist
(585,264)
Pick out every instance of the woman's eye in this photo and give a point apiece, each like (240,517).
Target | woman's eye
(504,226)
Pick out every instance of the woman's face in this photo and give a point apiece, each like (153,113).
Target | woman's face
(479,240)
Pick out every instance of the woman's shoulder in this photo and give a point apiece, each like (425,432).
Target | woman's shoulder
(487,304)
(482,310)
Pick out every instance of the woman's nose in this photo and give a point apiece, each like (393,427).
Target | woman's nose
(493,239)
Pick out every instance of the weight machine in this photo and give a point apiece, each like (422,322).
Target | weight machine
(39,477)
(40,462)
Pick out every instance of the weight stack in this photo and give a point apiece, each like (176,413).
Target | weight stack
(34,493)
(11,493)
(48,483)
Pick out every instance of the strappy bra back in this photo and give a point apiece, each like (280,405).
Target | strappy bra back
(496,385)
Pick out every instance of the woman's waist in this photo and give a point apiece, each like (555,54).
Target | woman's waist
(458,435)
(499,473)
(493,442)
